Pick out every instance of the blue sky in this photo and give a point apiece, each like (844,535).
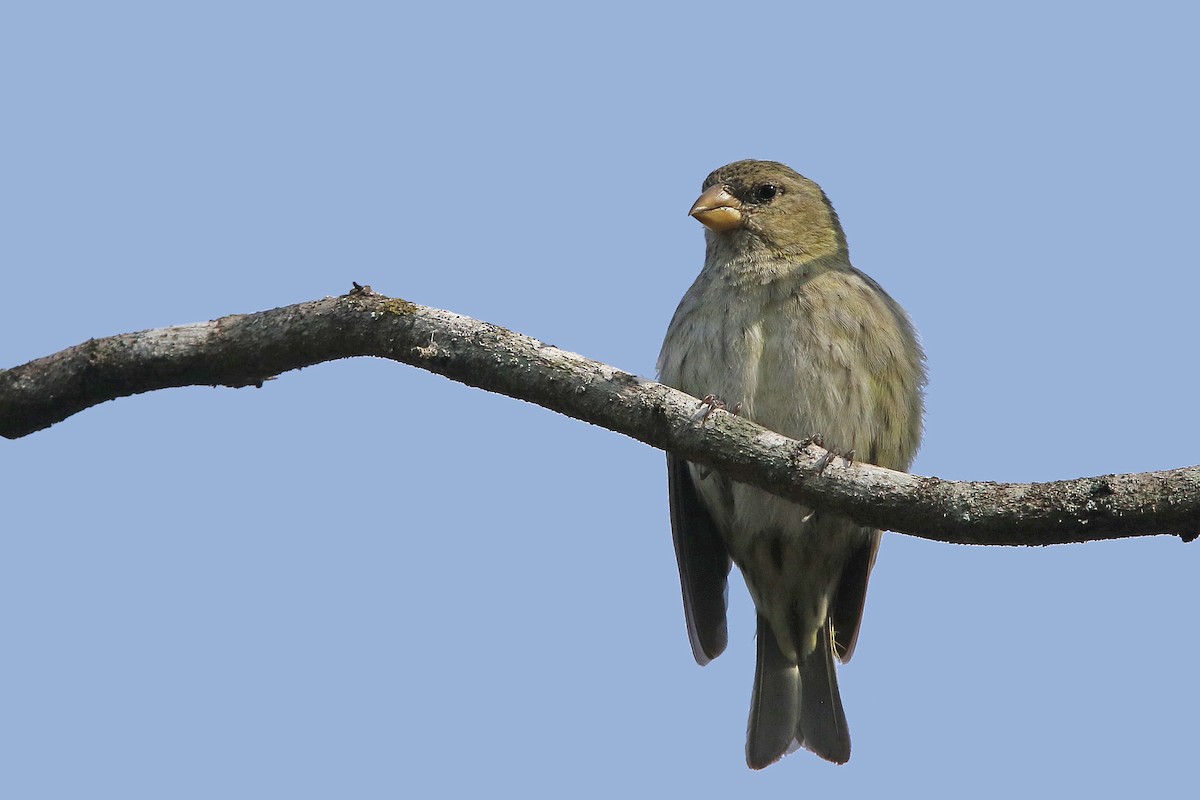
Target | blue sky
(365,581)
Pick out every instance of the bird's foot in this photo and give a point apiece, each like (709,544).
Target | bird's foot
(711,403)
(819,440)
(829,455)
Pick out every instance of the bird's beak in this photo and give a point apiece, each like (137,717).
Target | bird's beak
(717,209)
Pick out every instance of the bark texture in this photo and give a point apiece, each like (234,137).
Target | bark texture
(248,349)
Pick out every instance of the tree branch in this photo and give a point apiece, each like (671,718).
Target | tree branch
(247,349)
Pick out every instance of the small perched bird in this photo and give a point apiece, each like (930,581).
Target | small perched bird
(780,327)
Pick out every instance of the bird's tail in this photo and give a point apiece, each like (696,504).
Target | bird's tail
(795,706)
(823,728)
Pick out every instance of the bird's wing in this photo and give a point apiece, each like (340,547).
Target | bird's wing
(703,564)
(847,608)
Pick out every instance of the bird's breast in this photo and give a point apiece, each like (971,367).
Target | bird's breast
(825,354)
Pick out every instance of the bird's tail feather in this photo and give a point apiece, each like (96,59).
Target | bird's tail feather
(823,728)
(775,705)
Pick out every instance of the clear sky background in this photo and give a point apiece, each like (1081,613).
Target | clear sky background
(363,580)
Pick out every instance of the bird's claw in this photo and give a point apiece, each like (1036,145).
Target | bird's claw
(710,403)
(830,455)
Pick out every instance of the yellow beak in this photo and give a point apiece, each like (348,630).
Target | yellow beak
(717,209)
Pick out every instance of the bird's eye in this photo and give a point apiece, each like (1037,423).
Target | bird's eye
(765,192)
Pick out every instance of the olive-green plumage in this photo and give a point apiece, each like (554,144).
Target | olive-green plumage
(779,322)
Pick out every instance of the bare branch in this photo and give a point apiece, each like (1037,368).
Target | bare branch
(247,349)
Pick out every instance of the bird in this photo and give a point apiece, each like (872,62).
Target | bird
(781,328)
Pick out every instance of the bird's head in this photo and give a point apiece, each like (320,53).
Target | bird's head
(767,208)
